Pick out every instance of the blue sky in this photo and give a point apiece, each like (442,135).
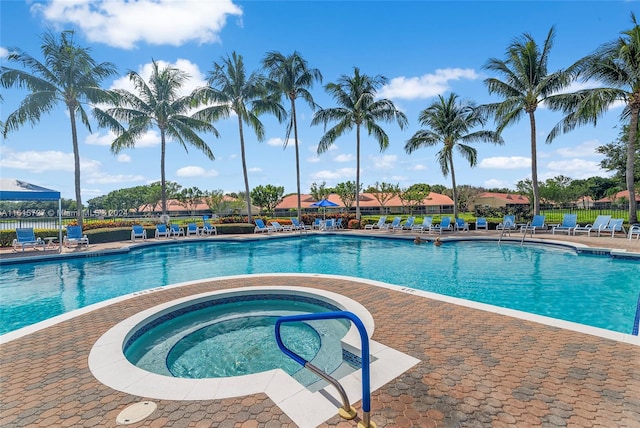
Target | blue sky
(424,48)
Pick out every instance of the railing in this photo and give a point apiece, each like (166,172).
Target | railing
(346,411)
(527,228)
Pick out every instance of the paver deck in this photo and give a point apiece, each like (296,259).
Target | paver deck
(477,369)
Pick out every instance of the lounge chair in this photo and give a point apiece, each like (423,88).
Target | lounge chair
(261,227)
(192,229)
(536,224)
(75,236)
(508,223)
(176,230)
(298,225)
(208,229)
(329,224)
(137,231)
(600,222)
(162,231)
(634,230)
(277,227)
(378,225)
(26,237)
(445,225)
(614,225)
(461,225)
(569,222)
(425,225)
(408,224)
(389,226)
(481,223)
(317,224)
(339,224)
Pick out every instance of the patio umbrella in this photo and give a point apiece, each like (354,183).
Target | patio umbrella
(324,203)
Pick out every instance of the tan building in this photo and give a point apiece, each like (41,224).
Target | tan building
(500,200)
(435,203)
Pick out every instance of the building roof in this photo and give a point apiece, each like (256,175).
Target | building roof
(508,198)
(367,200)
(619,195)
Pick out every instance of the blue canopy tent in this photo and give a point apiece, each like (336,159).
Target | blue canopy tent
(17,190)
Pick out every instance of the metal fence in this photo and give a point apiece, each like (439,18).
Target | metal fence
(584,215)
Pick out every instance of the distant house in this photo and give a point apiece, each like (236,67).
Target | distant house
(176,208)
(584,202)
(435,203)
(500,200)
(618,197)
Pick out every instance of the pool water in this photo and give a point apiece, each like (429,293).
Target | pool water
(233,339)
(553,281)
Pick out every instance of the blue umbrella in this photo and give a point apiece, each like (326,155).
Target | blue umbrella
(324,203)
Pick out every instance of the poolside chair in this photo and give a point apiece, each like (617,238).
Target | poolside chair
(508,223)
(329,224)
(75,236)
(634,230)
(614,225)
(176,230)
(600,222)
(378,225)
(162,231)
(389,226)
(26,237)
(317,224)
(277,227)
(425,225)
(208,229)
(569,222)
(137,231)
(461,225)
(192,229)
(445,225)
(481,223)
(536,224)
(339,224)
(298,225)
(261,227)
(408,224)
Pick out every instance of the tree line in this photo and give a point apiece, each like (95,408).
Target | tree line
(70,75)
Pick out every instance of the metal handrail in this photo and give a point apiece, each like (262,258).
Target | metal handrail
(347,411)
(524,235)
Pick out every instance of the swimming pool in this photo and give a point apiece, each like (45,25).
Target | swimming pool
(546,280)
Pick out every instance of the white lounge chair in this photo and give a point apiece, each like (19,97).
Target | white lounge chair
(569,222)
(425,225)
(26,237)
(75,236)
(261,227)
(378,225)
(208,229)
(277,227)
(389,226)
(634,231)
(137,231)
(445,225)
(508,223)
(614,225)
(600,222)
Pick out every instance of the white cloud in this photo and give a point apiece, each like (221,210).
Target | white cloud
(102,178)
(99,139)
(574,168)
(276,142)
(254,169)
(504,162)
(427,85)
(38,162)
(384,161)
(495,183)
(418,167)
(344,158)
(398,178)
(313,159)
(125,23)
(337,174)
(196,77)
(196,171)
(4,52)
(124,158)
(585,149)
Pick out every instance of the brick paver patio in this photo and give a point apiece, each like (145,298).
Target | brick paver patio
(477,369)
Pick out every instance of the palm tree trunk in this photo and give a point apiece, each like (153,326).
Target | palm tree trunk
(76,162)
(358,172)
(295,136)
(534,165)
(244,172)
(631,157)
(453,184)
(163,180)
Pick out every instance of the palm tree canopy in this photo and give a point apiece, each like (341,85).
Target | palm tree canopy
(356,97)
(291,76)
(449,123)
(527,82)
(69,74)
(157,104)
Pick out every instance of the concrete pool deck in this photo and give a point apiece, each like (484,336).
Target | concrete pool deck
(477,368)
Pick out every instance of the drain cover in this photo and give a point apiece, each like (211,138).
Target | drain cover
(136,413)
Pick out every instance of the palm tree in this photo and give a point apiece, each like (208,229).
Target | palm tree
(292,77)
(68,74)
(158,104)
(616,66)
(356,97)
(449,123)
(527,83)
(232,91)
